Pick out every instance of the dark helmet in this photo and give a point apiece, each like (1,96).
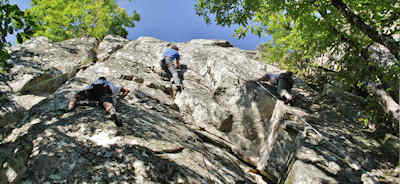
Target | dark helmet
(102,78)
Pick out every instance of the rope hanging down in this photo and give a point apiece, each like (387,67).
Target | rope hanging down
(344,158)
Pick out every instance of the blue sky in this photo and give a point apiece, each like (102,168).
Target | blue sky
(174,21)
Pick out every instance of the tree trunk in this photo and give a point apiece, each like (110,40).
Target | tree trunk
(386,101)
(372,32)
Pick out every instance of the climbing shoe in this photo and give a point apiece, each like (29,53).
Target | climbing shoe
(178,89)
(116,120)
(165,76)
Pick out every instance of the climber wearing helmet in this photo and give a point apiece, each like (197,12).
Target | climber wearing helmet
(103,92)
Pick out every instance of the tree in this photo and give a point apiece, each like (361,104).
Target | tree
(303,30)
(304,11)
(12,20)
(372,32)
(64,19)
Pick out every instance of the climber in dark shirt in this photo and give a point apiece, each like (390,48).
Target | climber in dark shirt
(102,91)
(283,81)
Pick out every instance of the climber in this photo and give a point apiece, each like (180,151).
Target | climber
(103,92)
(284,84)
(170,67)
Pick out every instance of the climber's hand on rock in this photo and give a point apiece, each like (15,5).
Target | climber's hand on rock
(124,92)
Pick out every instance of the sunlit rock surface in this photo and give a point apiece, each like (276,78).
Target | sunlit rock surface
(221,129)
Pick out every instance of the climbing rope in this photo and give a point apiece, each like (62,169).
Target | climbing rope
(345,159)
(276,98)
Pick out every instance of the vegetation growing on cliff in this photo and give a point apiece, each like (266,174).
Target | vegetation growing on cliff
(340,32)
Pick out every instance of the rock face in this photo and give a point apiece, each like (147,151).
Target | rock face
(40,67)
(10,110)
(222,128)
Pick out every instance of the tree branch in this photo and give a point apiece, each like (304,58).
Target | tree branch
(372,32)
(386,101)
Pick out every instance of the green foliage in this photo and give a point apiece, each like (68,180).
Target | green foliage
(64,19)
(303,30)
(376,116)
(12,19)
(391,78)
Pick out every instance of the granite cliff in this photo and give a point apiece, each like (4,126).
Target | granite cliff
(220,129)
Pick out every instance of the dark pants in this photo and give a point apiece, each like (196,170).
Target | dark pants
(284,87)
(165,71)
